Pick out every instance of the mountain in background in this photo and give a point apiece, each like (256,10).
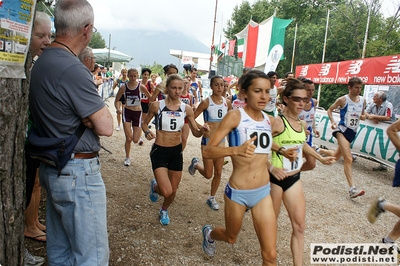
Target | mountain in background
(147,47)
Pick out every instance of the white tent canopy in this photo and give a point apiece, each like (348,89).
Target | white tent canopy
(108,55)
(201,59)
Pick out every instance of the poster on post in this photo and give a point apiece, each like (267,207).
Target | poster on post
(15,30)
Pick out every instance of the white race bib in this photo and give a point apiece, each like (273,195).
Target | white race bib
(352,121)
(296,164)
(263,142)
(172,121)
(132,101)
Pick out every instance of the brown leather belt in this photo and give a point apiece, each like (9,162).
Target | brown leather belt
(86,155)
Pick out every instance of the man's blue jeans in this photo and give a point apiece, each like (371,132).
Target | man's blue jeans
(76,218)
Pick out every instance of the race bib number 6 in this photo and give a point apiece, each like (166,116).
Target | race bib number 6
(263,142)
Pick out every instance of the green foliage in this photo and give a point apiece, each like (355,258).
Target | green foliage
(345,38)
(155,68)
(97,41)
(329,93)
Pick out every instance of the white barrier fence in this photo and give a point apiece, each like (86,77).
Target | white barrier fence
(371,139)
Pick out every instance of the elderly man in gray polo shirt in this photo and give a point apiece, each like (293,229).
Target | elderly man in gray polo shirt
(380,110)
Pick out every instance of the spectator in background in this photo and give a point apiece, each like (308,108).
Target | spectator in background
(76,206)
(289,75)
(97,79)
(40,39)
(378,111)
(87,58)
(109,73)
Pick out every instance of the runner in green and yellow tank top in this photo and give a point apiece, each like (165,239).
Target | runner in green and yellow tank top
(286,185)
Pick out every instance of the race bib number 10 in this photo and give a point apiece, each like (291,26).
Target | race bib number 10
(263,142)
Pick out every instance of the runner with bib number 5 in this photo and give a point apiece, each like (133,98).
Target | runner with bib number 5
(286,185)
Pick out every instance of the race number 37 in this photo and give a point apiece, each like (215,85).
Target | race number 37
(263,142)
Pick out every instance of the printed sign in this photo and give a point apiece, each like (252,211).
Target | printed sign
(371,139)
(15,31)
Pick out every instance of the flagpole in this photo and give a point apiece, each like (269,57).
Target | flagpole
(294,47)
(212,40)
(220,44)
(366,32)
(323,52)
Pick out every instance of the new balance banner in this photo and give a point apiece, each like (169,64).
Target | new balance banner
(383,70)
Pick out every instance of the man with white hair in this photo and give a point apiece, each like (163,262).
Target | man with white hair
(380,110)
(87,58)
(62,99)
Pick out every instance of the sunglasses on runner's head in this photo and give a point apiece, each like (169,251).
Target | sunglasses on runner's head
(298,99)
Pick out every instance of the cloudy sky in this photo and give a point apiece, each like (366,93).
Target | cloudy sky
(192,17)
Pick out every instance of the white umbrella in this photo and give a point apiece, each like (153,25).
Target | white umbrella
(108,55)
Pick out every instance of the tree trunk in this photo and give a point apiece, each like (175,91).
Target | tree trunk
(13,125)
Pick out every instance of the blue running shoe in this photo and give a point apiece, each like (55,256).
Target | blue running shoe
(208,247)
(152,193)
(164,218)
(191,168)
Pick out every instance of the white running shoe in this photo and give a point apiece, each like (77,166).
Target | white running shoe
(31,260)
(118,128)
(354,192)
(208,247)
(213,204)
(127,162)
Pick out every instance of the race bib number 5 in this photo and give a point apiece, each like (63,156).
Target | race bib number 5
(263,142)
(172,121)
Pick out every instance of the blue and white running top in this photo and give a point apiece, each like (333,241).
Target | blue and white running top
(248,128)
(351,112)
(215,112)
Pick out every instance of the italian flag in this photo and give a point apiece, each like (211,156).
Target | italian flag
(240,47)
(261,45)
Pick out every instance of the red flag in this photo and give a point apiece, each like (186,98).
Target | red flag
(231,47)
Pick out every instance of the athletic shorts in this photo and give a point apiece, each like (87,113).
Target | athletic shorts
(166,157)
(286,183)
(348,133)
(134,117)
(122,99)
(248,198)
(204,141)
(145,107)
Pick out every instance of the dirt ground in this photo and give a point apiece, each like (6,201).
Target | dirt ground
(136,236)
